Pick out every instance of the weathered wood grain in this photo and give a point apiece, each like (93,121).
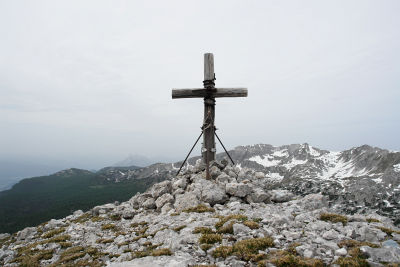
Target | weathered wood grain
(208,66)
(201,92)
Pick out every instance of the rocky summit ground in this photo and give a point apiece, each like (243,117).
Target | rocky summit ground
(230,220)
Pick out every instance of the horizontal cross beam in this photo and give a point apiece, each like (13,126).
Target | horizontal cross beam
(216,92)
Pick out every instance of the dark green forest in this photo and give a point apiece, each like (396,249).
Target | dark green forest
(39,199)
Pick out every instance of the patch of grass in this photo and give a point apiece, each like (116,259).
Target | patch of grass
(104,240)
(257,220)
(58,239)
(292,248)
(161,252)
(355,258)
(140,254)
(177,229)
(203,230)
(206,247)
(115,217)
(210,238)
(244,249)
(83,218)
(251,224)
(224,219)
(96,219)
(54,232)
(32,258)
(283,258)
(72,254)
(333,217)
(388,231)
(201,208)
(175,213)
(65,244)
(142,230)
(351,262)
(227,229)
(204,265)
(222,252)
(350,243)
(136,224)
(109,226)
(371,220)
(156,252)
(125,243)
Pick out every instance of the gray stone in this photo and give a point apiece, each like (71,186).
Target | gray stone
(238,189)
(259,175)
(281,196)
(160,189)
(370,234)
(391,243)
(223,178)
(384,254)
(149,204)
(179,184)
(258,195)
(185,201)
(135,201)
(4,236)
(26,234)
(239,228)
(330,235)
(166,208)
(176,260)
(162,200)
(214,172)
(341,252)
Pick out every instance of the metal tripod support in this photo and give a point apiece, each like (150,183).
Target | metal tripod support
(226,151)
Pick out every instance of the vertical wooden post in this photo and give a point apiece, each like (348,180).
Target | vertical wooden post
(208,150)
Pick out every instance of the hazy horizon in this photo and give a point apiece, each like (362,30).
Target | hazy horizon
(88,83)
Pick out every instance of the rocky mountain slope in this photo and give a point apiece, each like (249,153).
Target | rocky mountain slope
(358,179)
(234,219)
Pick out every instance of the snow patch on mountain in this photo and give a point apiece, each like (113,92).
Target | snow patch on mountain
(396,167)
(293,163)
(281,153)
(265,160)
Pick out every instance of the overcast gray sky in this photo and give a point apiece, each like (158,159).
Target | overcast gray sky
(90,81)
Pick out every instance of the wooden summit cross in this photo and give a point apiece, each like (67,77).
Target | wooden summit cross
(209,93)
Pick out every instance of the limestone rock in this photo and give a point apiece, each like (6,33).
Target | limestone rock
(149,204)
(161,188)
(238,189)
(162,200)
(258,195)
(185,201)
(384,254)
(281,196)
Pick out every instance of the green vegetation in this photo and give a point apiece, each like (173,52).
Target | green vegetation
(244,249)
(283,258)
(54,232)
(355,258)
(202,230)
(224,219)
(199,209)
(388,231)
(370,220)
(109,226)
(251,224)
(333,217)
(39,199)
(210,238)
(177,229)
